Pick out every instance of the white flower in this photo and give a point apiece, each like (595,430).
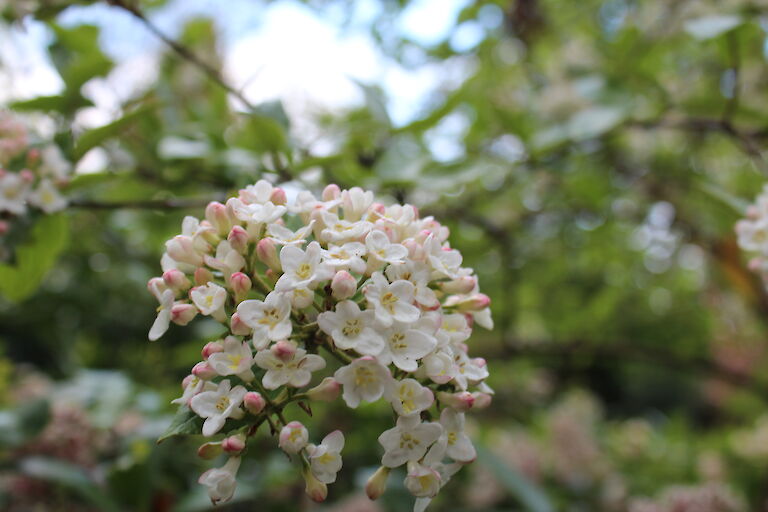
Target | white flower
(221,481)
(260,192)
(209,299)
(455,327)
(47,197)
(163,320)
(301,297)
(13,193)
(295,370)
(193,386)
(236,359)
(422,481)
(483,318)
(446,262)
(302,269)
(458,445)
(418,274)
(381,249)
(216,406)
(391,301)
(364,379)
(351,328)
(227,260)
(306,203)
(282,235)
(293,437)
(337,230)
(356,202)
(347,257)
(408,397)
(53,163)
(325,459)
(256,214)
(439,366)
(270,319)
(753,234)
(405,345)
(467,370)
(446,471)
(408,440)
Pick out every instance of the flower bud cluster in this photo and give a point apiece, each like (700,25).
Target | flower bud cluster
(373,296)
(752,233)
(31,174)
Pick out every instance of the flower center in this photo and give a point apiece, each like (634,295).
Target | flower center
(271,317)
(364,376)
(352,328)
(222,404)
(408,441)
(397,341)
(388,300)
(304,271)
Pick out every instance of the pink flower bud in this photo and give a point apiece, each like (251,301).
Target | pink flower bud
(217,215)
(278,196)
(377,483)
(482,400)
(234,444)
(210,450)
(343,285)
(293,437)
(331,192)
(266,251)
(27,175)
(241,285)
(156,287)
(203,370)
(254,403)
(378,208)
(175,279)
(238,239)
(238,327)
(284,350)
(464,284)
(315,489)
(213,347)
(33,157)
(203,276)
(182,314)
(181,248)
(461,401)
(474,302)
(4,227)
(327,391)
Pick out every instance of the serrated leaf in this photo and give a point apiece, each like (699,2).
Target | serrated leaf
(185,422)
(530,496)
(35,257)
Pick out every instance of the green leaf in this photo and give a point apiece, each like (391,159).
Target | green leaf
(709,27)
(69,476)
(529,495)
(184,423)
(33,417)
(737,204)
(95,137)
(35,257)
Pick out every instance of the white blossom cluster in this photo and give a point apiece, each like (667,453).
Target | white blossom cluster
(371,294)
(752,234)
(31,174)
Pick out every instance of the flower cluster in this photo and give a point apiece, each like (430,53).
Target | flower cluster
(752,234)
(31,174)
(377,288)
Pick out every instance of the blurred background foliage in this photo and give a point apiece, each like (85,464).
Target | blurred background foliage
(590,158)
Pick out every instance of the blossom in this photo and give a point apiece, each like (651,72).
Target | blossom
(391,301)
(218,405)
(351,328)
(405,345)
(422,481)
(302,269)
(417,273)
(379,246)
(209,299)
(293,437)
(338,230)
(227,259)
(270,319)
(364,379)
(348,256)
(235,359)
(459,447)
(221,481)
(284,236)
(14,190)
(294,370)
(408,440)
(163,320)
(409,397)
(325,458)
(47,197)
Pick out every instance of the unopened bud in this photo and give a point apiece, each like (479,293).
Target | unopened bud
(210,450)
(267,254)
(203,370)
(203,276)
(182,314)
(27,175)
(461,401)
(210,348)
(4,227)
(343,285)
(327,391)
(254,403)
(377,484)
(482,400)
(175,279)
(464,284)
(238,327)
(241,285)
(315,489)
(238,239)
(278,196)
(293,437)
(181,248)
(217,215)
(283,350)
(378,208)
(331,192)
(474,302)
(234,444)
